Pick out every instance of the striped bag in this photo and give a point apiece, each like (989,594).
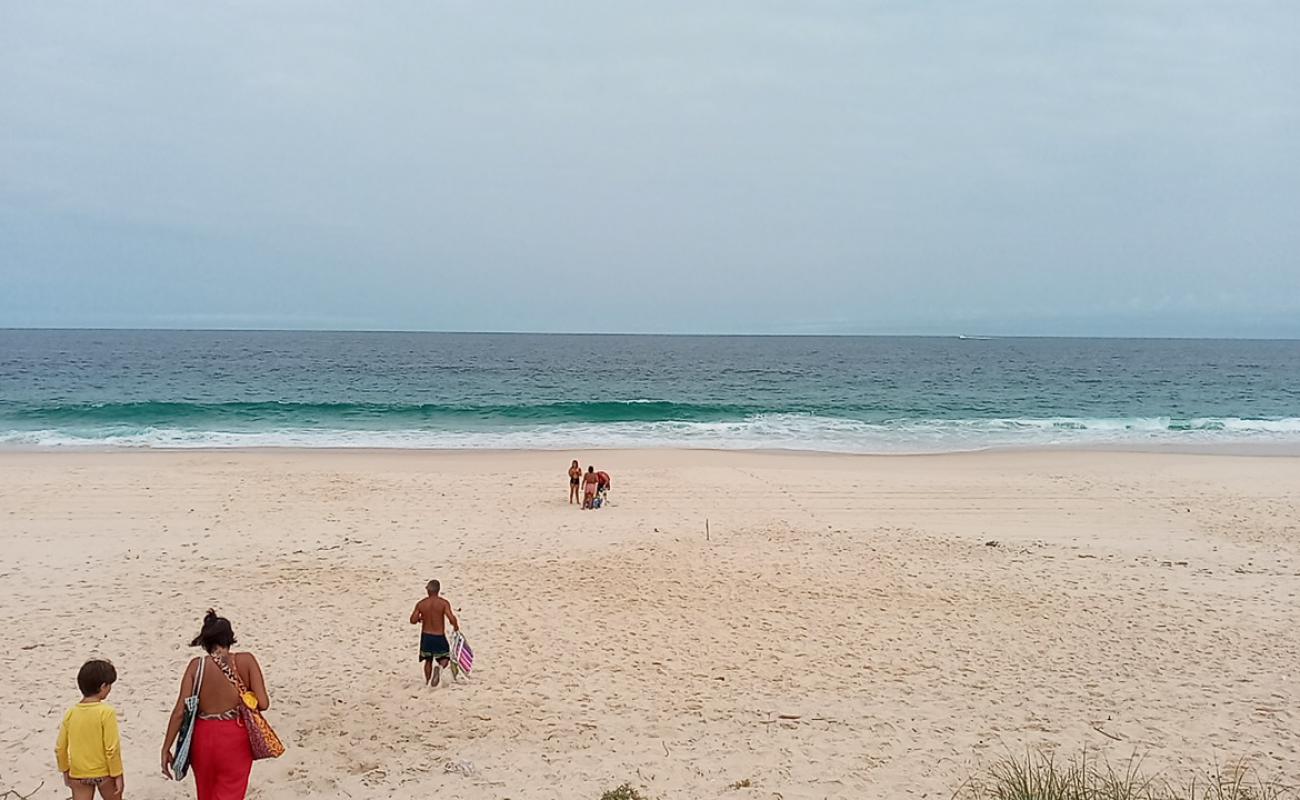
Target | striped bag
(462,656)
(185,739)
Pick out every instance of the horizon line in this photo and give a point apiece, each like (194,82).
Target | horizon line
(961,336)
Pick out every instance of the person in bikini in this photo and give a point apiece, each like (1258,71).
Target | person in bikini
(220,755)
(431,615)
(575,480)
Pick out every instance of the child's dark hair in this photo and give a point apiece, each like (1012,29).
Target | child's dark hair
(216,633)
(94,674)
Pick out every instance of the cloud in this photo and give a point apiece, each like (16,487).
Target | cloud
(872,167)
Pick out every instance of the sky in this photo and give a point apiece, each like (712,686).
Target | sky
(1035,168)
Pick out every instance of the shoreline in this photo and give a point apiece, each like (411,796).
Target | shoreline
(1233,449)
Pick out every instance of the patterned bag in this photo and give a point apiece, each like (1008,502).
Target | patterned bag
(184,739)
(261,738)
(462,657)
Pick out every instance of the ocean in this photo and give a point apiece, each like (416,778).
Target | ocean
(186,389)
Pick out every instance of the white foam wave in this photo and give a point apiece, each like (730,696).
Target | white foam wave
(764,431)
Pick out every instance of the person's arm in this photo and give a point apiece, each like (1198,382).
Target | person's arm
(112,742)
(178,713)
(61,749)
(257,683)
(451,615)
(415,615)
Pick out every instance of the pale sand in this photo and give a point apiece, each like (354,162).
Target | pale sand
(1153,595)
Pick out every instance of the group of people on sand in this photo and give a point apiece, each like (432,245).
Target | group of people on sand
(594,484)
(89,747)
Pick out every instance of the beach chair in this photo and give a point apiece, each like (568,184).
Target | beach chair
(462,656)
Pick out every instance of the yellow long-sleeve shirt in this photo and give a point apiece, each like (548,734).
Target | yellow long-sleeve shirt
(89,745)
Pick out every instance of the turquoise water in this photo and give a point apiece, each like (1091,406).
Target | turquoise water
(846,394)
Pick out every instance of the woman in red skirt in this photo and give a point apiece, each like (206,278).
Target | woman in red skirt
(220,755)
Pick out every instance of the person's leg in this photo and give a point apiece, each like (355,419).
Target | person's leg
(437,674)
(231,762)
(441,648)
(108,790)
(426,656)
(82,791)
(201,767)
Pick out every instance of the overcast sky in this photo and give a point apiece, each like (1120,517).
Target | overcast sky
(1123,168)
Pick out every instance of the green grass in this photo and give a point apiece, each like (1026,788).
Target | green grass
(1042,776)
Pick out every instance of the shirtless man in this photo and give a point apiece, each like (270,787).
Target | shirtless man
(429,614)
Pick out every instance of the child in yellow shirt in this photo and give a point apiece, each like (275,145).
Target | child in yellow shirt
(89,750)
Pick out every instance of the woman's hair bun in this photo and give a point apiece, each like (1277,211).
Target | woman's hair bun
(216,632)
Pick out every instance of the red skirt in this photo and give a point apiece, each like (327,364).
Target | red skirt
(221,759)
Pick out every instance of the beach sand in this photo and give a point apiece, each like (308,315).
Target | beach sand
(845,630)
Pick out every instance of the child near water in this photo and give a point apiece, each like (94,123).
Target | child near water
(89,749)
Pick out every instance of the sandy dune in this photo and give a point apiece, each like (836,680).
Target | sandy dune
(846,631)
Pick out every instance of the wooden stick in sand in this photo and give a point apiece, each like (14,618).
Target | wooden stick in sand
(20,795)
(1096,726)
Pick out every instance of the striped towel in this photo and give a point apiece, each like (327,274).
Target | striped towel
(462,656)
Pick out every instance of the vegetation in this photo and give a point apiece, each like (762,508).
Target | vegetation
(1041,776)
(624,792)
(1087,776)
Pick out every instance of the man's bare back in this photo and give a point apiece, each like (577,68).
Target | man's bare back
(432,613)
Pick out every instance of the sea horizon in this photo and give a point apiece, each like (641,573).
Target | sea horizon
(504,391)
(973,334)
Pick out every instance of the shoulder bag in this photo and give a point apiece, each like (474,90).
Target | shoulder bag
(261,738)
(181,758)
